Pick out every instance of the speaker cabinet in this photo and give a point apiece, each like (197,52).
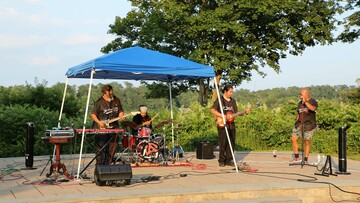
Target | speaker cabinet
(205,150)
(29,149)
(113,172)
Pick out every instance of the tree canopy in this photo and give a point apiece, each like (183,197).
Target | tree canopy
(351,22)
(233,36)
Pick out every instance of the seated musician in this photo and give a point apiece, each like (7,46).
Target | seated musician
(142,120)
(108,106)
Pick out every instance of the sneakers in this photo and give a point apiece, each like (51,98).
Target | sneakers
(295,160)
(230,164)
(227,164)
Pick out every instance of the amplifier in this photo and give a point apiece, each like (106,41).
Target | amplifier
(205,150)
(112,173)
(68,132)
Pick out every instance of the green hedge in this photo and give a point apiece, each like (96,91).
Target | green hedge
(262,129)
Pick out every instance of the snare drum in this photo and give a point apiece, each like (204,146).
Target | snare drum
(129,141)
(148,150)
(144,132)
(158,138)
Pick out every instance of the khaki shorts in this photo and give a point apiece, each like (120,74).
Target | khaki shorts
(307,134)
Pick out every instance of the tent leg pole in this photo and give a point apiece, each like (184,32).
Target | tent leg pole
(62,103)
(172,118)
(84,124)
(226,130)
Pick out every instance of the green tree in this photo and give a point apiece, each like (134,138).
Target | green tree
(354,95)
(351,22)
(233,36)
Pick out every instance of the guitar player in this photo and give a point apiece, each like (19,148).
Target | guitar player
(229,108)
(108,106)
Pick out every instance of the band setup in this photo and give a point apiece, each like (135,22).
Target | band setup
(142,147)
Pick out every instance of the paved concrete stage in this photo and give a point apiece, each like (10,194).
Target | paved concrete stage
(261,178)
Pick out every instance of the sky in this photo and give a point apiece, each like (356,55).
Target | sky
(41,39)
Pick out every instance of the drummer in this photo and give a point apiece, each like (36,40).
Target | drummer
(142,120)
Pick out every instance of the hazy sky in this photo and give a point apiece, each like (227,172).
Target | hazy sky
(43,38)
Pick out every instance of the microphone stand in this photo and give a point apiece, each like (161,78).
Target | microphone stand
(301,115)
(303,139)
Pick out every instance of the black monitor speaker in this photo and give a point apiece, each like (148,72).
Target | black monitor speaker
(205,150)
(113,172)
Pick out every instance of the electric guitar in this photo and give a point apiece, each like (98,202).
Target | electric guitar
(230,117)
(108,121)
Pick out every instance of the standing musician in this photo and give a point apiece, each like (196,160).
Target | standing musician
(305,123)
(142,119)
(229,106)
(108,106)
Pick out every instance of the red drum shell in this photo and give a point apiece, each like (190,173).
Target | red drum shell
(144,132)
(129,141)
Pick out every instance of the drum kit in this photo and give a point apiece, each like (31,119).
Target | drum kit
(144,146)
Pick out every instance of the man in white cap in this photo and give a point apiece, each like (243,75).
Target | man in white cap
(142,119)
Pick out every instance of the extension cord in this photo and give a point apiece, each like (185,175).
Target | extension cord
(150,178)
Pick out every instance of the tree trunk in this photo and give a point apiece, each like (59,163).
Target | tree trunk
(214,93)
(206,92)
(201,91)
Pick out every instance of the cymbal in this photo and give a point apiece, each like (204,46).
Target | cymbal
(130,124)
(163,123)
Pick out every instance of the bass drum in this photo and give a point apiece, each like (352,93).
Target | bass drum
(148,150)
(158,138)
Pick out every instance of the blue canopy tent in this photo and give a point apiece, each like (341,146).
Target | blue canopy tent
(137,63)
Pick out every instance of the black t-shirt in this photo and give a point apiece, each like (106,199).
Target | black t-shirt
(107,110)
(138,119)
(306,114)
(228,106)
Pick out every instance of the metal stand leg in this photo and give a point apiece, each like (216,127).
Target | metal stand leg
(49,161)
(325,169)
(165,156)
(97,154)
(177,148)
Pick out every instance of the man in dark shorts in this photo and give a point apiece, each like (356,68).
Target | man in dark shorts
(305,123)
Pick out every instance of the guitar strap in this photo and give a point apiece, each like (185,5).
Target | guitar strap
(228,107)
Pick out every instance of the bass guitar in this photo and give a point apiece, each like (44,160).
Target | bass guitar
(108,121)
(230,117)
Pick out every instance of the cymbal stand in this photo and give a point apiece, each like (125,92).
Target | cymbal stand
(177,147)
(165,157)
(130,152)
